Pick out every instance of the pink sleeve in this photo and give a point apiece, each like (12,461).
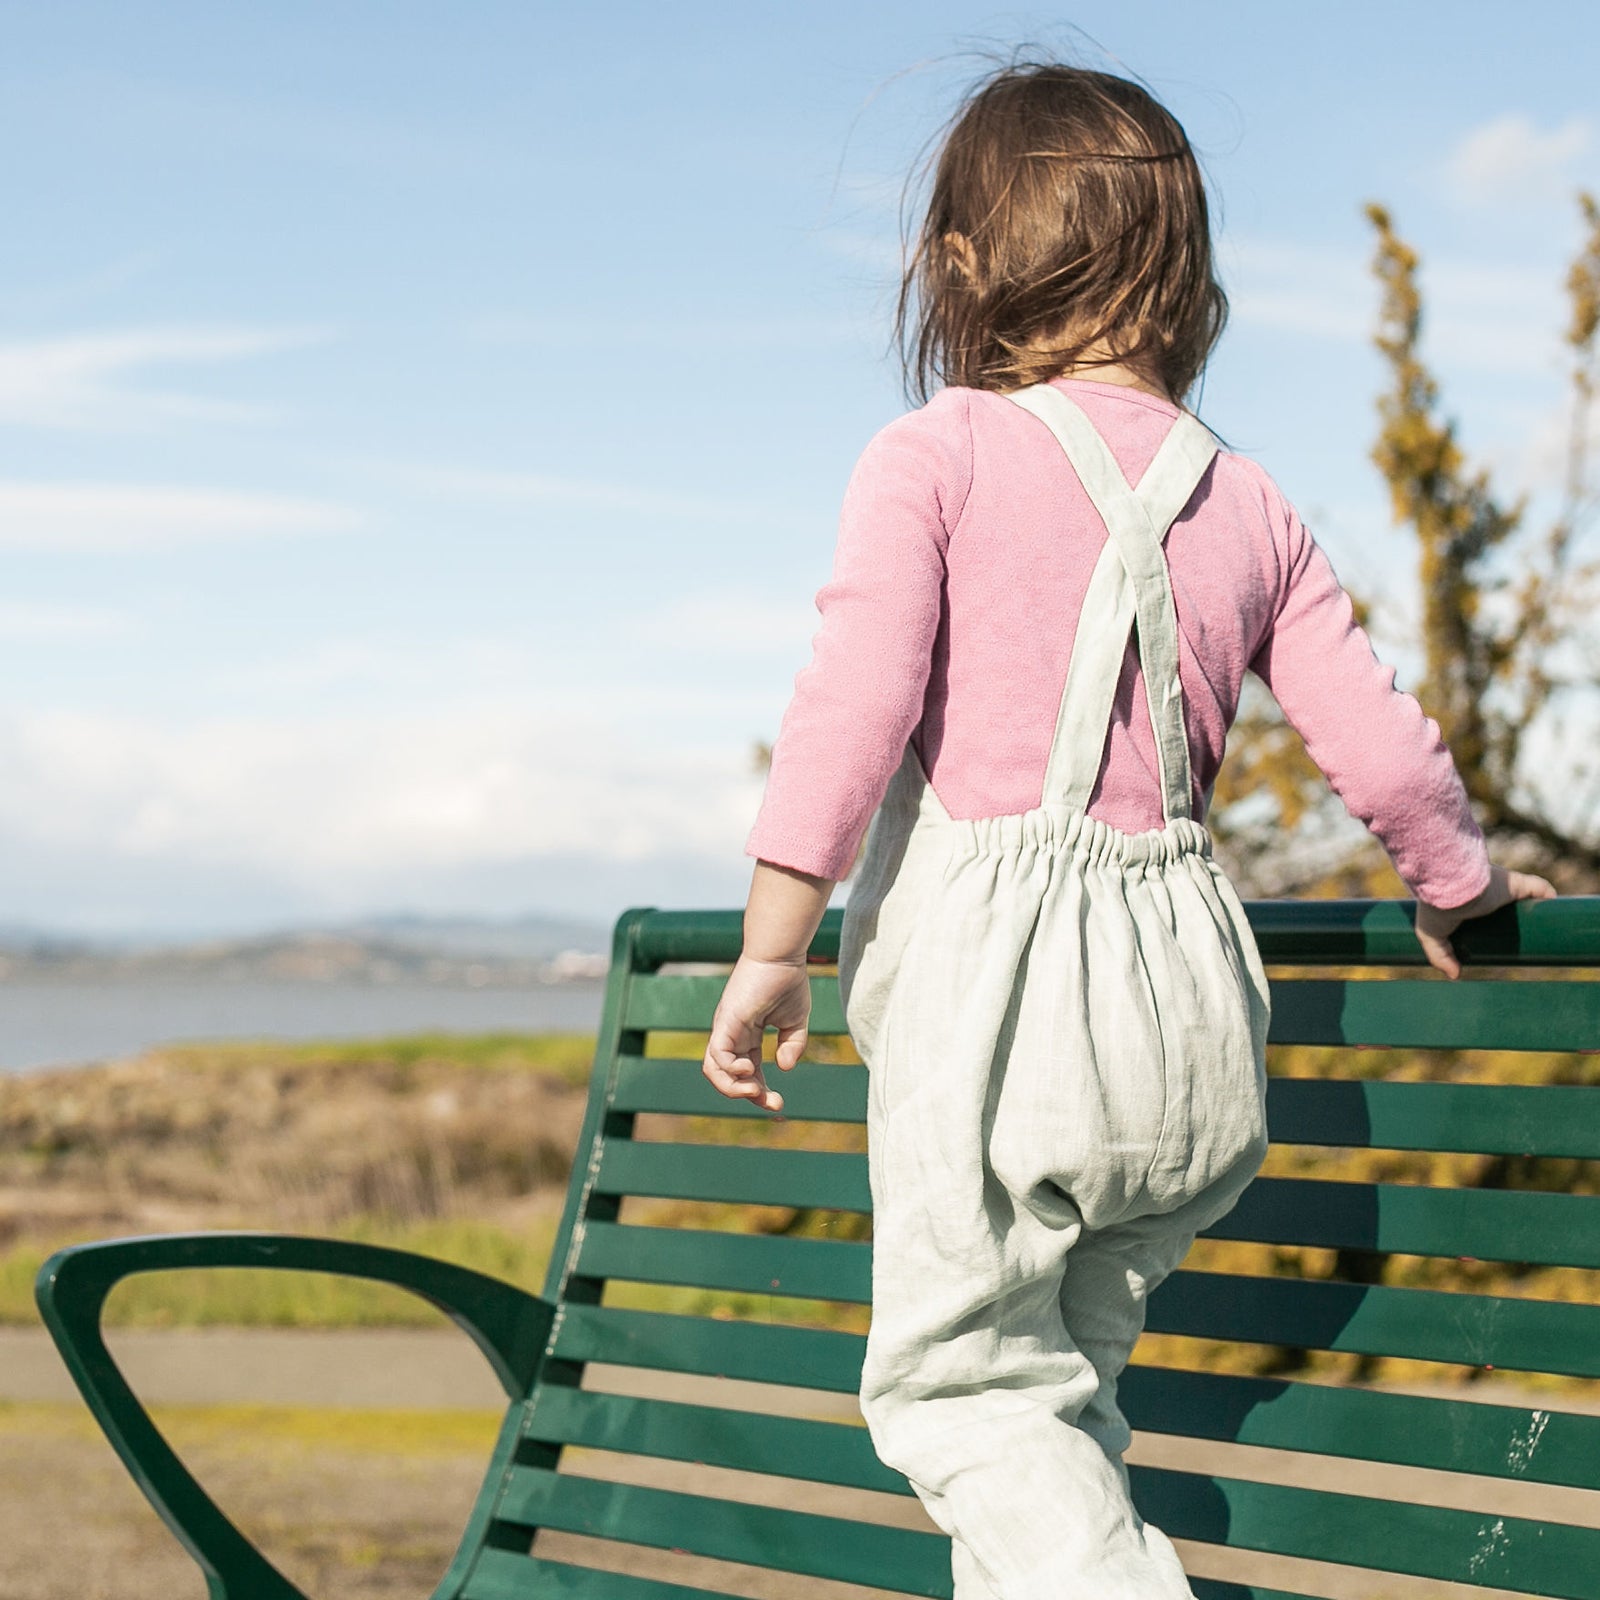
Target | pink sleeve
(860,698)
(1384,757)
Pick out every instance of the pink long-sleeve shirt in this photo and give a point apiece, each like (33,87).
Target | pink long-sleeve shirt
(965,549)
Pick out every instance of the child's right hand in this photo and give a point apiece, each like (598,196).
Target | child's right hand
(758,995)
(1434,926)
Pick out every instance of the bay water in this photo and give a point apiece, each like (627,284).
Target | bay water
(46,1023)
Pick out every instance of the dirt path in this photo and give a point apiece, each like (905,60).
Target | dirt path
(365,1502)
(383,1367)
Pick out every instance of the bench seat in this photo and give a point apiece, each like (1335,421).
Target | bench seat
(722,1268)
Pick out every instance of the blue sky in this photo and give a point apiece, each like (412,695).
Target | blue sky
(422,427)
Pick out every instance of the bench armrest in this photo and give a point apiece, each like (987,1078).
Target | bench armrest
(510,1327)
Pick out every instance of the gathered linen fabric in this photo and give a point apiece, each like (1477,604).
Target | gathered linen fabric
(1065,1029)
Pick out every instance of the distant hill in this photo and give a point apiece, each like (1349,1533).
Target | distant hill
(530,938)
(398,948)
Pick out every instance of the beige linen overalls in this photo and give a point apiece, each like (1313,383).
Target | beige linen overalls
(1065,1027)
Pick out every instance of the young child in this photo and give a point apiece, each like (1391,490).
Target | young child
(1049,584)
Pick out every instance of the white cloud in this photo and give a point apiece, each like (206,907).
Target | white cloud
(42,621)
(84,381)
(347,801)
(734,622)
(549,489)
(412,671)
(675,334)
(1505,321)
(49,296)
(1509,158)
(1496,319)
(78,516)
(1539,462)
(333,666)
(1297,288)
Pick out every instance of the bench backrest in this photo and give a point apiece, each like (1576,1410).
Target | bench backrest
(698,1258)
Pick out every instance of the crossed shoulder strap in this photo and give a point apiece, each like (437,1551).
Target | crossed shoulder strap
(1130,584)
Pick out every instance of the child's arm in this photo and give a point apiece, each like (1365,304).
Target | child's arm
(1382,754)
(845,729)
(768,987)
(861,695)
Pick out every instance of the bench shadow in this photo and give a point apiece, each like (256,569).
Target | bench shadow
(1293,1315)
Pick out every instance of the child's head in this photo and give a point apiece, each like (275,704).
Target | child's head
(1066,227)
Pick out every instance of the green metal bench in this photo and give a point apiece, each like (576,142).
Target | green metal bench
(540,1347)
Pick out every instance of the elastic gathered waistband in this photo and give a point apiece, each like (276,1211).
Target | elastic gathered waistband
(912,805)
(1060,829)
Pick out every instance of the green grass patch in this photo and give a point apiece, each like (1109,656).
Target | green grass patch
(344,1429)
(567,1056)
(247,1297)
(256,1429)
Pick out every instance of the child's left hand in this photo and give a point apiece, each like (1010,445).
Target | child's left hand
(758,995)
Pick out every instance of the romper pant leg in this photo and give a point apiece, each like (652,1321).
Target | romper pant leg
(1109,1275)
(1002,1409)
(1006,1427)
(973,1386)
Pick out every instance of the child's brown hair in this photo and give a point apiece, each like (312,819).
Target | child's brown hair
(1067,226)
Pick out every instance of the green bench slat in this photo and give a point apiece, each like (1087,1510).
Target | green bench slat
(1563,932)
(1478,1118)
(832,1453)
(763,1536)
(1554,1560)
(1482,1014)
(1403,1430)
(686,1003)
(813,1092)
(1412,1219)
(1227,1589)
(1487,1014)
(505,1575)
(743,1176)
(759,1352)
(745,1441)
(1496,1441)
(1493,1225)
(754,1263)
(1536,1445)
(1428,1324)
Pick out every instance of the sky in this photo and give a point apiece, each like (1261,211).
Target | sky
(423,427)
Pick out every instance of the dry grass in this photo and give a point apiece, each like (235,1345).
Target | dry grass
(366,1505)
(455,1147)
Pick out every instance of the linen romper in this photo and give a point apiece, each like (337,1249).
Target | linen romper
(1065,1029)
